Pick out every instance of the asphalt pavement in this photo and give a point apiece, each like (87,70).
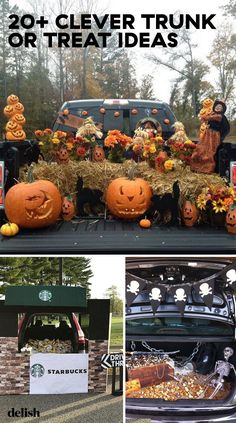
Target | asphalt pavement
(69,408)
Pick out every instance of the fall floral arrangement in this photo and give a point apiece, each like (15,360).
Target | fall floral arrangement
(118,143)
(51,142)
(216,198)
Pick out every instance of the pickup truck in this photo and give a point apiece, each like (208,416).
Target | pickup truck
(99,235)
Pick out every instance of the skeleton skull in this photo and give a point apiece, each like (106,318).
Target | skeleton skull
(133,287)
(231,276)
(205,289)
(180,295)
(155,294)
(228,352)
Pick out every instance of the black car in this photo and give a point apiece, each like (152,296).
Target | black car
(192,344)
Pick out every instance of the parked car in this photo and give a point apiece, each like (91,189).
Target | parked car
(61,326)
(197,339)
(129,114)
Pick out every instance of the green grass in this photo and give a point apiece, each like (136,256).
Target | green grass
(117,331)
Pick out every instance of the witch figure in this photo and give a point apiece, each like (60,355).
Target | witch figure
(217,127)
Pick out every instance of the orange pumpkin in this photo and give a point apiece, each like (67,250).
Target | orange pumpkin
(145,223)
(98,154)
(62,155)
(18,135)
(116,114)
(8,111)
(189,213)
(13,126)
(18,108)
(33,205)
(19,119)
(154,111)
(84,113)
(12,99)
(102,110)
(231,220)
(166,121)
(68,208)
(128,198)
(134,112)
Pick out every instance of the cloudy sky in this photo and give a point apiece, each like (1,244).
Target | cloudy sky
(161,76)
(108,270)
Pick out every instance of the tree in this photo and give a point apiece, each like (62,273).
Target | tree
(230,8)
(146,89)
(45,271)
(223,57)
(191,71)
(116,303)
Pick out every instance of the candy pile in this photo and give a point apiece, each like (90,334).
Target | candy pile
(49,346)
(143,360)
(189,387)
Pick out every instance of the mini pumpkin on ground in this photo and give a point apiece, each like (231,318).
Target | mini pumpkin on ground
(9,229)
(145,223)
(128,198)
(33,205)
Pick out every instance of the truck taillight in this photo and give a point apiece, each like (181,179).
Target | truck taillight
(116,101)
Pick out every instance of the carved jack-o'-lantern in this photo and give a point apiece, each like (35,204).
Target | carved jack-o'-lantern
(8,111)
(12,126)
(189,213)
(18,108)
(62,155)
(231,220)
(68,208)
(98,154)
(12,99)
(127,198)
(19,119)
(18,135)
(33,205)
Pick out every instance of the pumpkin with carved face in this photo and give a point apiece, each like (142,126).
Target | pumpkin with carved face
(19,119)
(98,154)
(68,208)
(8,111)
(33,205)
(18,135)
(189,213)
(12,126)
(18,108)
(62,155)
(12,99)
(231,219)
(128,198)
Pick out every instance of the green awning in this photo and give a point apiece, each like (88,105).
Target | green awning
(46,296)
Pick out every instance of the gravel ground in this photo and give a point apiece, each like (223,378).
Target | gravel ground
(70,408)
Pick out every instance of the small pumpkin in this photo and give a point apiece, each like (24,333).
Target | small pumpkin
(62,155)
(12,99)
(84,113)
(9,229)
(33,205)
(116,114)
(145,223)
(65,112)
(134,112)
(18,135)
(98,154)
(13,126)
(102,110)
(154,111)
(189,213)
(166,121)
(8,111)
(231,219)
(19,119)
(18,108)
(128,198)
(67,208)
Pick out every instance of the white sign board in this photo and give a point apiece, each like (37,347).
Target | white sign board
(58,373)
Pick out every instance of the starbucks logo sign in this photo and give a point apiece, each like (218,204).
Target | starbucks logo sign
(45,295)
(37,370)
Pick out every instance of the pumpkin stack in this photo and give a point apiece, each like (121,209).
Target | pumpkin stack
(14,112)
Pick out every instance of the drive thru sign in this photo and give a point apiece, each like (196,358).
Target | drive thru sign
(112,360)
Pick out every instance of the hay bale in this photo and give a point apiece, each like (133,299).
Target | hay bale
(98,175)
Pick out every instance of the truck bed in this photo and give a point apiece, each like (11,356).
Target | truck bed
(114,236)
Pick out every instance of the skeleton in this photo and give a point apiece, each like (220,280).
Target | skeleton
(155,294)
(205,289)
(133,287)
(180,295)
(231,276)
(222,369)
